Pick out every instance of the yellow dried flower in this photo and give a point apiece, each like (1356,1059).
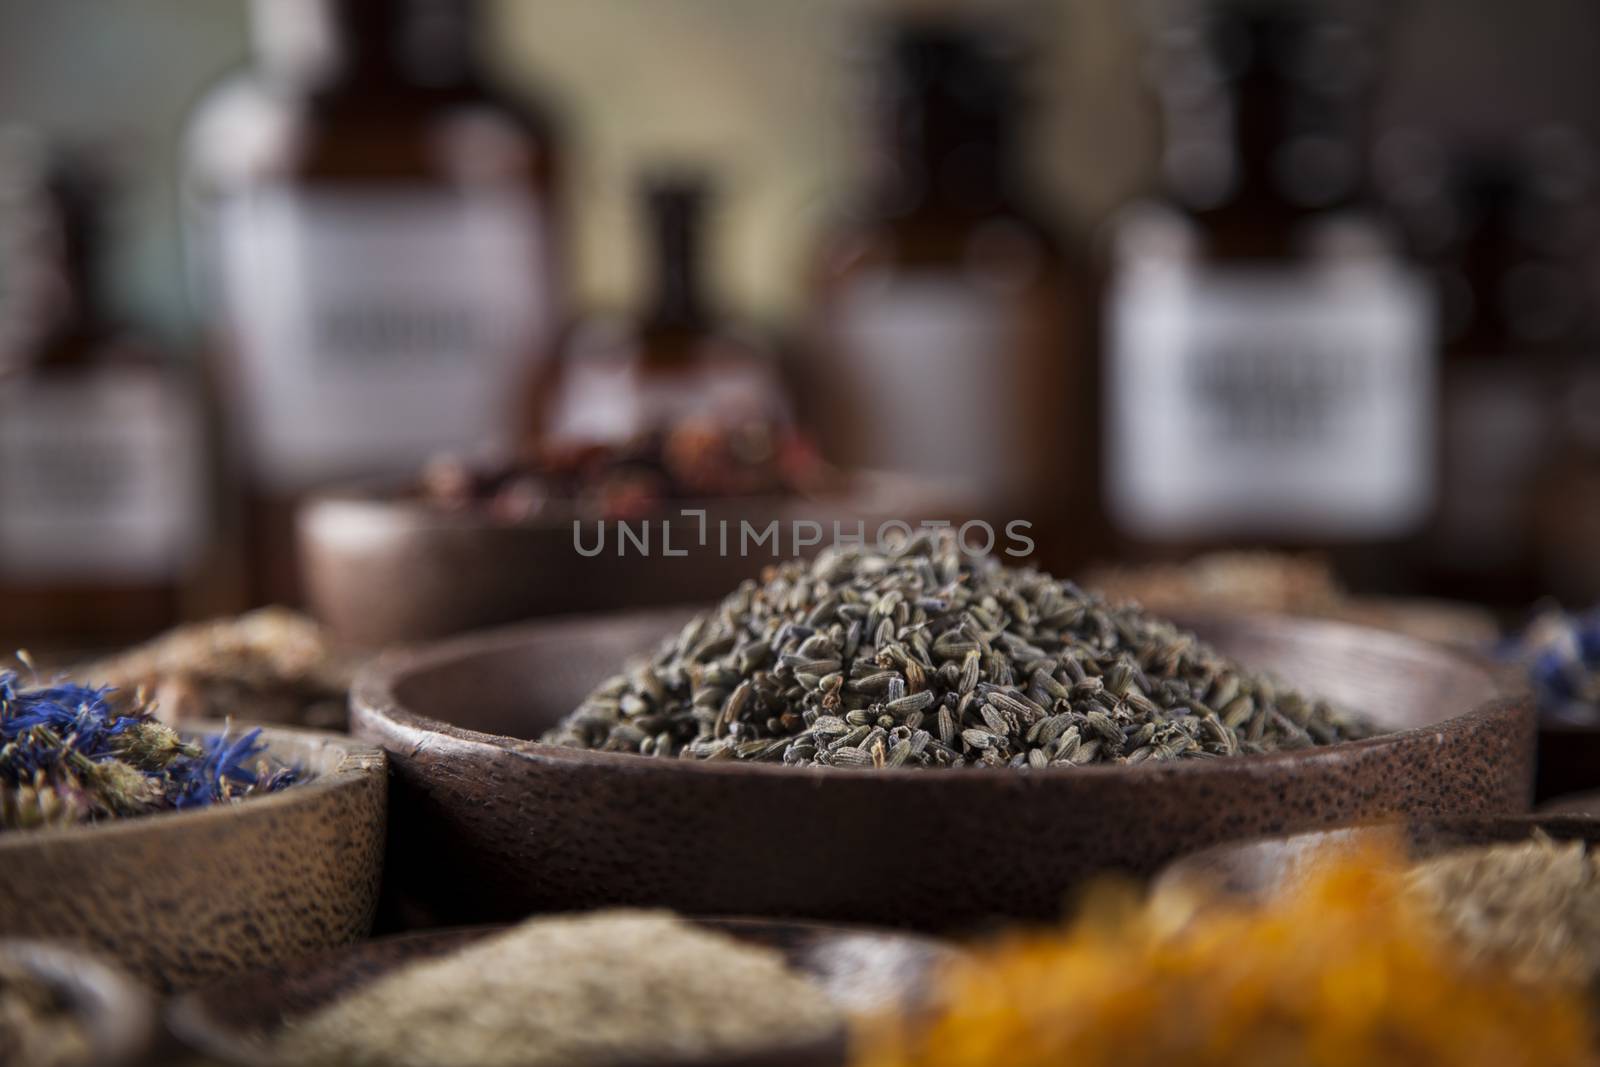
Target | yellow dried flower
(1339,968)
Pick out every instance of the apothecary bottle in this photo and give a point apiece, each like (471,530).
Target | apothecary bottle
(1269,354)
(105,519)
(1507,232)
(680,365)
(951,317)
(376,232)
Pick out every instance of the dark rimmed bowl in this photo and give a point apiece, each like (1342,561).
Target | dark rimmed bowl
(116,1014)
(1566,754)
(1254,869)
(496,825)
(181,898)
(1587,804)
(857,967)
(381,568)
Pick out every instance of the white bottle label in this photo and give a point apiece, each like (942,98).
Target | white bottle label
(931,367)
(375,329)
(1247,402)
(101,478)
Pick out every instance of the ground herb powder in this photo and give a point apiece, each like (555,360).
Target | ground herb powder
(572,990)
(1533,905)
(37,1028)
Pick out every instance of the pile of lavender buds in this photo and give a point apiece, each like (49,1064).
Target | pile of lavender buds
(926,655)
(72,754)
(1561,653)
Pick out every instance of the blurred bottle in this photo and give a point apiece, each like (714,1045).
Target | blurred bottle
(376,230)
(679,364)
(1566,510)
(1270,363)
(1505,229)
(1551,298)
(951,320)
(104,517)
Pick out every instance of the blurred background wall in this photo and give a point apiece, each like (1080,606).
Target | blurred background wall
(761,89)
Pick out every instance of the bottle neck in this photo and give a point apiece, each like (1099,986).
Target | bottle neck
(940,162)
(57,302)
(1267,111)
(679,299)
(947,120)
(395,44)
(83,301)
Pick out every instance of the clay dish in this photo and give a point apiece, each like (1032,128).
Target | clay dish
(490,824)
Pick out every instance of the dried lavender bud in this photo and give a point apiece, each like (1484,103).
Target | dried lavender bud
(1002,663)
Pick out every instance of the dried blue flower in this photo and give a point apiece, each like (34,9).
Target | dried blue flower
(71,753)
(1561,653)
(225,769)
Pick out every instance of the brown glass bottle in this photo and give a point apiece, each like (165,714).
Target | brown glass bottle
(1269,356)
(378,241)
(1549,299)
(1513,322)
(950,325)
(1566,493)
(104,463)
(680,362)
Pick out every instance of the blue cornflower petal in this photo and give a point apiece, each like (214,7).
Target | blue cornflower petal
(1550,673)
(1589,640)
(43,728)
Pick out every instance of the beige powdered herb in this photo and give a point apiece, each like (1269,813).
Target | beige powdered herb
(572,990)
(270,665)
(38,1028)
(1532,905)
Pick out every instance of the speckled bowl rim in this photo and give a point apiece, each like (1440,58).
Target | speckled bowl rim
(373,694)
(358,761)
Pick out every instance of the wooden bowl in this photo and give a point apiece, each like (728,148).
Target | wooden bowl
(858,968)
(181,898)
(116,1015)
(1253,869)
(491,824)
(381,569)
